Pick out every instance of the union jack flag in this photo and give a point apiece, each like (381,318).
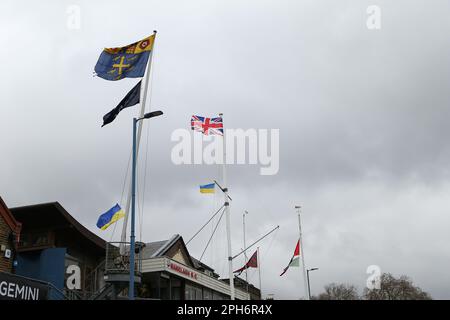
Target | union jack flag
(207,126)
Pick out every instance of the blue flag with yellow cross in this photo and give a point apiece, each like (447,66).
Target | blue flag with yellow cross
(125,62)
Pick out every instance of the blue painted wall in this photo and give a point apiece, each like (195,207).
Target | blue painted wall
(46,265)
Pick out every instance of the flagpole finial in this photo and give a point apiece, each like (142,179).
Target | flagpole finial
(155,32)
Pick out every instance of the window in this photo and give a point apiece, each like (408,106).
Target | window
(175,285)
(37,239)
(218,296)
(207,294)
(193,292)
(164,288)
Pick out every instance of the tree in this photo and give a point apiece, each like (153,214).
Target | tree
(392,288)
(334,291)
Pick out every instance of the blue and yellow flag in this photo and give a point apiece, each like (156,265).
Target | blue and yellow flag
(125,62)
(207,188)
(109,217)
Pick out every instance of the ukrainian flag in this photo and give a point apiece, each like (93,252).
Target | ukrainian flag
(125,62)
(207,188)
(109,217)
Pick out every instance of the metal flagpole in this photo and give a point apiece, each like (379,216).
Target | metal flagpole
(245,247)
(259,271)
(227,213)
(138,140)
(302,254)
(133,206)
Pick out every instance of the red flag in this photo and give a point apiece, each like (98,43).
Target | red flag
(294,260)
(252,263)
(297,249)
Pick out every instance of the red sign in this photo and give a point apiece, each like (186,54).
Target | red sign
(183,270)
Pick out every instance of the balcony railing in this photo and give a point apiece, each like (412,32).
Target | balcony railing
(118,257)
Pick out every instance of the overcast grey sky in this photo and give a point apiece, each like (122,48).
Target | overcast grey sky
(363,118)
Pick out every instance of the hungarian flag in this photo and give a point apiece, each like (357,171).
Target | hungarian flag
(251,263)
(294,260)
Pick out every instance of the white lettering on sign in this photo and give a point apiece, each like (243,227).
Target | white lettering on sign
(3,288)
(13,290)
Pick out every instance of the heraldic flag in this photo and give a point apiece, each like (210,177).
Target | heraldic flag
(125,62)
(252,263)
(129,100)
(294,260)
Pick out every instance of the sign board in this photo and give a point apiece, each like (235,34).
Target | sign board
(13,287)
(183,270)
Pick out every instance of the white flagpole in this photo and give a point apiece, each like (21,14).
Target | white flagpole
(259,271)
(302,254)
(123,237)
(227,213)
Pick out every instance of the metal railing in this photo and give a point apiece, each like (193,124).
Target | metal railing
(65,294)
(118,258)
(93,281)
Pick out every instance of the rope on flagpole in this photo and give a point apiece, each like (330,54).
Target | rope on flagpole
(207,244)
(125,178)
(123,192)
(205,225)
(141,214)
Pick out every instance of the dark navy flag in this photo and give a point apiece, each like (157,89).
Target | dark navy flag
(131,99)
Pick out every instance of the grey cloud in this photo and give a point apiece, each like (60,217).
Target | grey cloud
(362,117)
